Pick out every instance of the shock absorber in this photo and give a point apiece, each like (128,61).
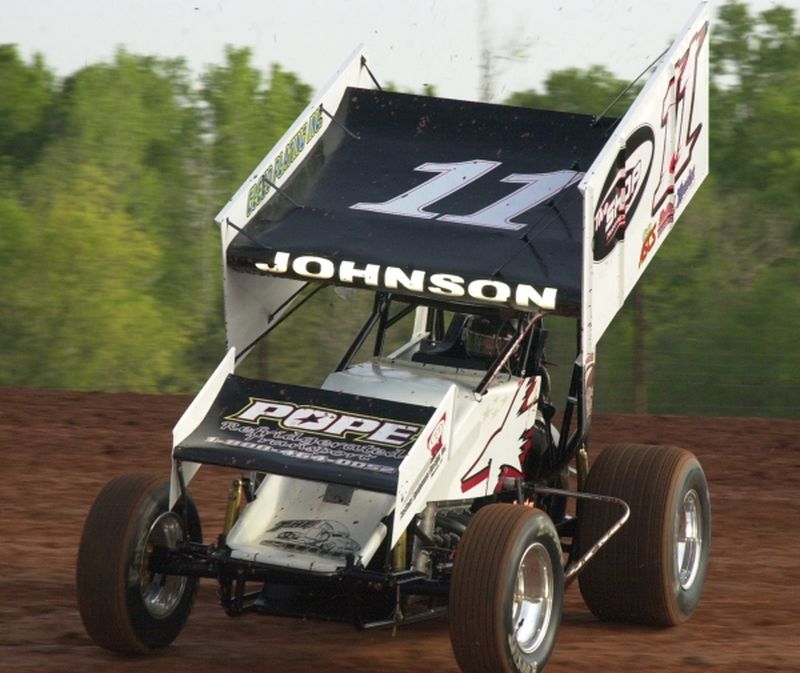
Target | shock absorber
(237,499)
(399,552)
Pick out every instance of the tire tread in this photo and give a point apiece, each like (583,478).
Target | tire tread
(625,581)
(102,571)
(476,587)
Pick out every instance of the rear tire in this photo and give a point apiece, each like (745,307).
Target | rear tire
(507,591)
(125,608)
(652,571)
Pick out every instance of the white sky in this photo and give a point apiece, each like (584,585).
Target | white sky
(410,42)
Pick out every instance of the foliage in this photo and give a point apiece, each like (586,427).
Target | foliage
(588,91)
(112,276)
(246,116)
(113,324)
(719,296)
(110,268)
(26,98)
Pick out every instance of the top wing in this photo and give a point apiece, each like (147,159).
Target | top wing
(466,202)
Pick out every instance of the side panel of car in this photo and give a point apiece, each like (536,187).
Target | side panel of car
(489,439)
(192,417)
(427,459)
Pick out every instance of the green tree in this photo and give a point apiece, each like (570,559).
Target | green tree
(588,91)
(26,98)
(246,115)
(129,160)
(133,128)
(18,299)
(721,291)
(86,308)
(718,298)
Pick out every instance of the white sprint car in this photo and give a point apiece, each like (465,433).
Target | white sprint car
(437,474)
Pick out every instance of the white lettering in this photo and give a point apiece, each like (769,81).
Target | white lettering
(304,266)
(258,409)
(490,290)
(348,272)
(280,264)
(347,424)
(538,187)
(393,433)
(312,420)
(526,296)
(414,280)
(394,278)
(451,177)
(447,284)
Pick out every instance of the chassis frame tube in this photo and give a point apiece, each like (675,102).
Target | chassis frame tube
(574,567)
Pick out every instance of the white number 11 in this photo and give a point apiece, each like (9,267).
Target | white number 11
(537,188)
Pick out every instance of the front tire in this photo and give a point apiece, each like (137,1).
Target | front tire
(652,572)
(507,591)
(124,607)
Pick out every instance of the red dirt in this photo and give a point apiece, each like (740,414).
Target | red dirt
(59,448)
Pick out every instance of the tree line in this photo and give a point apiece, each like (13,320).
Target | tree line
(110,266)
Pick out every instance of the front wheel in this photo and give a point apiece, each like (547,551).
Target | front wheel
(124,606)
(507,591)
(653,570)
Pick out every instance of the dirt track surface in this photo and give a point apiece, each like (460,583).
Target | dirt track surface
(58,449)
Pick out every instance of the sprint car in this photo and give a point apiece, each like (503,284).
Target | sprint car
(430,471)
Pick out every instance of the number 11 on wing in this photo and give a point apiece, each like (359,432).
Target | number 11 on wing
(451,177)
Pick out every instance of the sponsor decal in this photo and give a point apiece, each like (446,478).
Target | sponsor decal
(656,231)
(443,285)
(684,187)
(436,439)
(681,131)
(648,241)
(318,536)
(449,178)
(326,422)
(437,448)
(292,448)
(627,181)
(256,436)
(260,189)
(476,475)
(622,191)
(666,217)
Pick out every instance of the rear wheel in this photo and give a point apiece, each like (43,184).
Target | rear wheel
(507,591)
(124,606)
(653,570)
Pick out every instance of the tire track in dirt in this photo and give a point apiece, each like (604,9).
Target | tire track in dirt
(58,448)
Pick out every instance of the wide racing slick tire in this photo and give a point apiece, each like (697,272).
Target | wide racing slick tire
(507,591)
(653,570)
(124,607)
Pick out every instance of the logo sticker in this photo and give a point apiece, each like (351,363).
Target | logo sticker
(328,422)
(622,191)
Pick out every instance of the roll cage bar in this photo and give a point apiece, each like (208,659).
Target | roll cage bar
(529,340)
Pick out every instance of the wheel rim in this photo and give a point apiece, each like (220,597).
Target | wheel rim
(532,605)
(161,593)
(689,539)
